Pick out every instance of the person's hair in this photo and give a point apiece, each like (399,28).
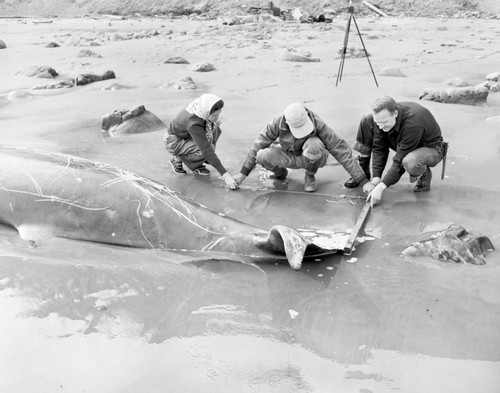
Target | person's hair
(384,102)
(218,105)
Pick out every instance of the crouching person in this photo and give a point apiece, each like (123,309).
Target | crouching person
(412,132)
(192,135)
(304,141)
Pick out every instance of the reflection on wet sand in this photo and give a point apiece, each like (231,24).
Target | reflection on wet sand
(75,313)
(143,320)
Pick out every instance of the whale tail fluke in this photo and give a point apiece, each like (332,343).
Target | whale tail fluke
(284,240)
(294,245)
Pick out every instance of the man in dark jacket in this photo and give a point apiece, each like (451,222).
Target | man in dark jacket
(305,141)
(411,131)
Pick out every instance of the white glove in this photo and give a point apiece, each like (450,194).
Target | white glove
(230,182)
(368,187)
(375,196)
(375,181)
(239,178)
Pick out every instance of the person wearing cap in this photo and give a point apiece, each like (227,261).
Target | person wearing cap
(411,131)
(192,135)
(305,141)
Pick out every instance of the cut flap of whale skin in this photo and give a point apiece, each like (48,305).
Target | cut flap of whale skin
(44,194)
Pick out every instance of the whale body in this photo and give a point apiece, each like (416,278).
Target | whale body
(46,194)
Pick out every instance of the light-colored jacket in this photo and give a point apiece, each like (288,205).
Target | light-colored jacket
(278,130)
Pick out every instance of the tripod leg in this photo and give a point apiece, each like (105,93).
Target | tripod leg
(366,52)
(341,68)
(344,51)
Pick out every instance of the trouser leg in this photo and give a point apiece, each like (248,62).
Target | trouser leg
(274,158)
(363,145)
(364,163)
(418,164)
(185,150)
(364,136)
(417,161)
(314,156)
(192,160)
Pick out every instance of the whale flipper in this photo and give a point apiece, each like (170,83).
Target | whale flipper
(35,234)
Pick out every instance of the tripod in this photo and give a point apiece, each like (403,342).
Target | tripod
(350,10)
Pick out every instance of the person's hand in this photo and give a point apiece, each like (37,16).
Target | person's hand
(368,187)
(230,182)
(239,178)
(375,181)
(375,196)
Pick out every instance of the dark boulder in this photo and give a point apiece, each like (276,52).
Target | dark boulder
(469,95)
(453,244)
(39,72)
(84,79)
(176,60)
(130,121)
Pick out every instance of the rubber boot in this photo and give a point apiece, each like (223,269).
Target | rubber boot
(279,173)
(424,181)
(310,182)
(364,163)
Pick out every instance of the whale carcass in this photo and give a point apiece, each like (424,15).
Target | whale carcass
(46,194)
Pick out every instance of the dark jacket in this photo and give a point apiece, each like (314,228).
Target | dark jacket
(415,127)
(189,126)
(278,130)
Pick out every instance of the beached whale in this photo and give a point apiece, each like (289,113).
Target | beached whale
(45,194)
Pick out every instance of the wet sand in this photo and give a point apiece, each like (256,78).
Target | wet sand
(88,317)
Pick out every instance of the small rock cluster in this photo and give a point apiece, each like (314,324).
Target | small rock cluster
(461,92)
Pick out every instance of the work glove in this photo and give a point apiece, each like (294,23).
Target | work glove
(230,182)
(239,178)
(375,181)
(375,196)
(368,187)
